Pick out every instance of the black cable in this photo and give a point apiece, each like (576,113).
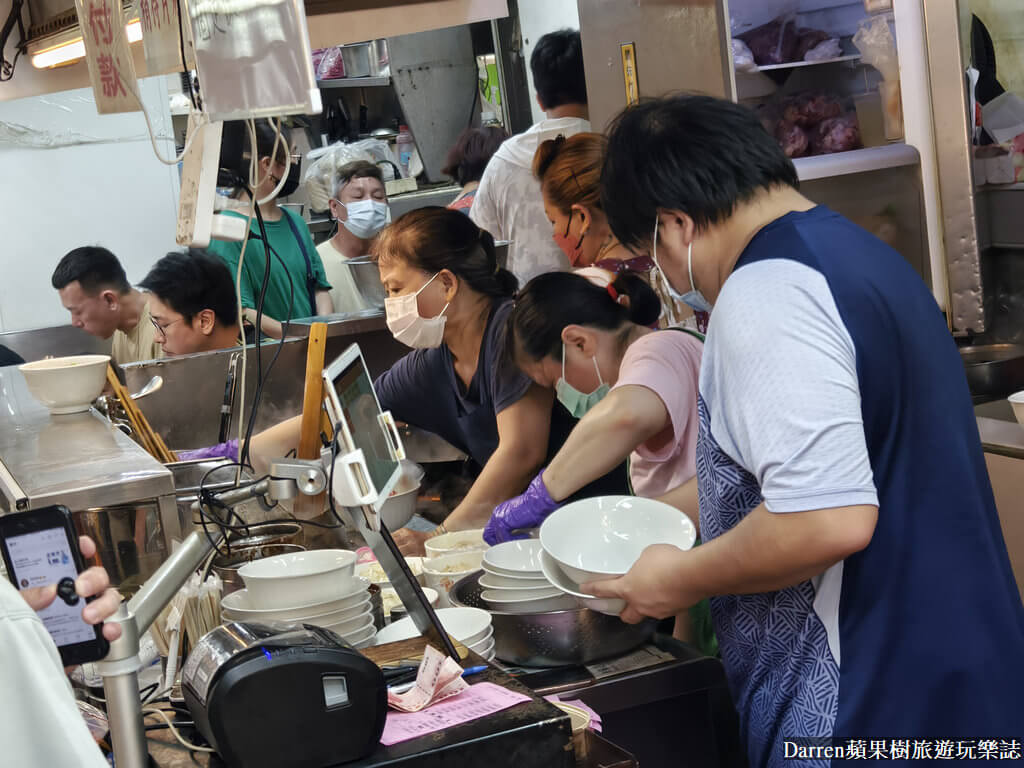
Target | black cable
(143,693)
(186,77)
(14,17)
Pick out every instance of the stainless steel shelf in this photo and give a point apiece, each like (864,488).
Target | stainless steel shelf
(855,161)
(794,64)
(354,82)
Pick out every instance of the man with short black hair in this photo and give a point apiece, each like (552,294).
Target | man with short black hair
(508,203)
(859,582)
(192,303)
(360,206)
(94,289)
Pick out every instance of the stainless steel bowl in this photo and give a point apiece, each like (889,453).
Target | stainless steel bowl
(554,638)
(367,278)
(401,504)
(994,371)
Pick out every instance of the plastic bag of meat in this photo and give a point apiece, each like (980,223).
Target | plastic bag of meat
(806,40)
(825,50)
(331,65)
(836,134)
(810,108)
(772,43)
(792,138)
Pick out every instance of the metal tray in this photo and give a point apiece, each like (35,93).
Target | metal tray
(554,638)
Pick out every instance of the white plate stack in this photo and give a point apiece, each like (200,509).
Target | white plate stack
(316,587)
(470,626)
(514,581)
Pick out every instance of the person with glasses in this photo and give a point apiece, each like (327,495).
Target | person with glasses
(93,287)
(192,303)
(298,286)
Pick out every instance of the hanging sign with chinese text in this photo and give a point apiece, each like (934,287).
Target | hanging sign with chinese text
(163,36)
(111,69)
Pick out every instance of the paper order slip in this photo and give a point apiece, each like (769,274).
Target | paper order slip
(478,701)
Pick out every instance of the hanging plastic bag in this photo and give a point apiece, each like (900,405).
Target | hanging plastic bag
(323,163)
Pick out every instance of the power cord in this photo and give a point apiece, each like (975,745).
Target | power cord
(14,17)
(174,731)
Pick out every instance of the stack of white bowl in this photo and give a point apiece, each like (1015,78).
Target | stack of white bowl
(601,538)
(316,587)
(513,581)
(470,626)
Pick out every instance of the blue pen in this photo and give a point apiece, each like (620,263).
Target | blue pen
(473,670)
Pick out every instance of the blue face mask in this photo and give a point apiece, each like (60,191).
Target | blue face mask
(576,402)
(692,298)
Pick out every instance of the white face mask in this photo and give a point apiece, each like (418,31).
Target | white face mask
(406,325)
(366,217)
(693,298)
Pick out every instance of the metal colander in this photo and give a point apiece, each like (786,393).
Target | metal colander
(554,638)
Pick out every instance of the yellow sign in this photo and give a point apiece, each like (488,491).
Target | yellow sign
(629,74)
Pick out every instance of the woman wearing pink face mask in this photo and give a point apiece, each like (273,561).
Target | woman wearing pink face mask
(569,171)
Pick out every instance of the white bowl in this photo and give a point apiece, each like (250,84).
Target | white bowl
(66,384)
(1017,401)
(601,538)
(321,619)
(612,606)
(363,636)
(392,603)
(555,601)
(467,625)
(481,644)
(241,605)
(513,595)
(484,649)
(514,558)
(347,625)
(441,573)
(456,541)
(317,575)
(491,580)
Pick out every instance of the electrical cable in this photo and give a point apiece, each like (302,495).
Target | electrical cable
(174,731)
(152,136)
(14,17)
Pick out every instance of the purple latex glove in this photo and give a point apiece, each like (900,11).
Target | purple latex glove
(527,510)
(227,450)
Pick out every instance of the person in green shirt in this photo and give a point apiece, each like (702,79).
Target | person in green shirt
(298,285)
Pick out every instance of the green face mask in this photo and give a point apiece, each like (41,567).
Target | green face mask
(576,402)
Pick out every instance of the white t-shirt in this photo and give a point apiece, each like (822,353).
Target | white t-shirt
(509,205)
(344,293)
(668,364)
(40,725)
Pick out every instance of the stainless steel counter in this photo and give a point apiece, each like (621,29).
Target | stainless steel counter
(1005,438)
(78,460)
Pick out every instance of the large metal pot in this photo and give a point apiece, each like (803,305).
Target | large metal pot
(366,274)
(554,638)
(994,371)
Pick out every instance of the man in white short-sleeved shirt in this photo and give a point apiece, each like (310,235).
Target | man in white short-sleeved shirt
(844,503)
(508,202)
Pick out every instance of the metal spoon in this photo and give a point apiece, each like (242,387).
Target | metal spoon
(151,386)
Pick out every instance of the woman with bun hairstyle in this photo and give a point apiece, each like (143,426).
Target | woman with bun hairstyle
(449,300)
(569,171)
(634,389)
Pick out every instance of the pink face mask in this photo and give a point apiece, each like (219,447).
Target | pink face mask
(572,252)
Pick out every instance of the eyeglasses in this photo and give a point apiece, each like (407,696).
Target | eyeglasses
(162,329)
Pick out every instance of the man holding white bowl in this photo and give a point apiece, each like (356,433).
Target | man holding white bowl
(859,582)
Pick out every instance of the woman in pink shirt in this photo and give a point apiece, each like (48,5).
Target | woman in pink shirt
(634,389)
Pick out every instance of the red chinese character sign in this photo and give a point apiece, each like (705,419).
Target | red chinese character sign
(111,69)
(162,37)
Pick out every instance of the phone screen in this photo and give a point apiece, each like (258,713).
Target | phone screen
(44,557)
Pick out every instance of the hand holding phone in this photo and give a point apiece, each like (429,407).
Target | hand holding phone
(40,553)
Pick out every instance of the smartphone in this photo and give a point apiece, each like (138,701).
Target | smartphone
(40,547)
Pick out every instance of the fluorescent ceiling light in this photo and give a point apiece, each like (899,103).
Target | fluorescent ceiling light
(72,49)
